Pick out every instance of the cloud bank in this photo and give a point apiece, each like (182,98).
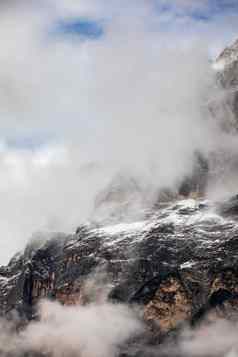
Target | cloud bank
(75,111)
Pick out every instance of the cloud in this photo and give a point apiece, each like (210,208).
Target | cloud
(217,338)
(130,102)
(93,330)
(97,329)
(101,328)
(190,7)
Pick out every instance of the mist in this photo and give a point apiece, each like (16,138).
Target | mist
(212,338)
(78,331)
(97,329)
(102,328)
(76,111)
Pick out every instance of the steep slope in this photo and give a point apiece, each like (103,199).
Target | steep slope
(227,67)
(179,264)
(227,59)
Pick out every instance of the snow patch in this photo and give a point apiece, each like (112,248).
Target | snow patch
(123,228)
(219,66)
(187,264)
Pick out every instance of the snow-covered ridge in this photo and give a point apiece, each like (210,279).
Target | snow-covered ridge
(227,57)
(122,228)
(199,214)
(178,236)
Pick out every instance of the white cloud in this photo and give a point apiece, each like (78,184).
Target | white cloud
(130,100)
(97,329)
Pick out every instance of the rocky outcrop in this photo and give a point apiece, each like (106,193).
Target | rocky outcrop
(170,305)
(128,197)
(226,66)
(124,196)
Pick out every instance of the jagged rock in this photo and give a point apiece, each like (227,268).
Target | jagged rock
(124,197)
(226,66)
(196,183)
(230,207)
(179,265)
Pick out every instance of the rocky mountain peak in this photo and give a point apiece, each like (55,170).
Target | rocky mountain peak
(177,264)
(227,58)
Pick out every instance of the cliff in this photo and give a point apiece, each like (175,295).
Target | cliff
(226,66)
(179,264)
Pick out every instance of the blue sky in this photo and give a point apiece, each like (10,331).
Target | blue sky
(209,8)
(83,27)
(180,16)
(215,21)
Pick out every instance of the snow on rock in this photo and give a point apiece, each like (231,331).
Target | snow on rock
(122,228)
(187,265)
(227,57)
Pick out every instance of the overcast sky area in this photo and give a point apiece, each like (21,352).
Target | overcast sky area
(92,87)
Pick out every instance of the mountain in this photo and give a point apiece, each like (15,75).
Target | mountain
(226,66)
(178,264)
(228,59)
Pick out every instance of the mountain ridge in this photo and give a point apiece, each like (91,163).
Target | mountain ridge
(178,264)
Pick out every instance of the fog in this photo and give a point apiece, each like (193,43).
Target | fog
(97,329)
(212,338)
(100,328)
(76,111)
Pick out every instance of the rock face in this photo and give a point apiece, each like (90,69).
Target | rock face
(226,63)
(179,264)
(227,68)
(120,199)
